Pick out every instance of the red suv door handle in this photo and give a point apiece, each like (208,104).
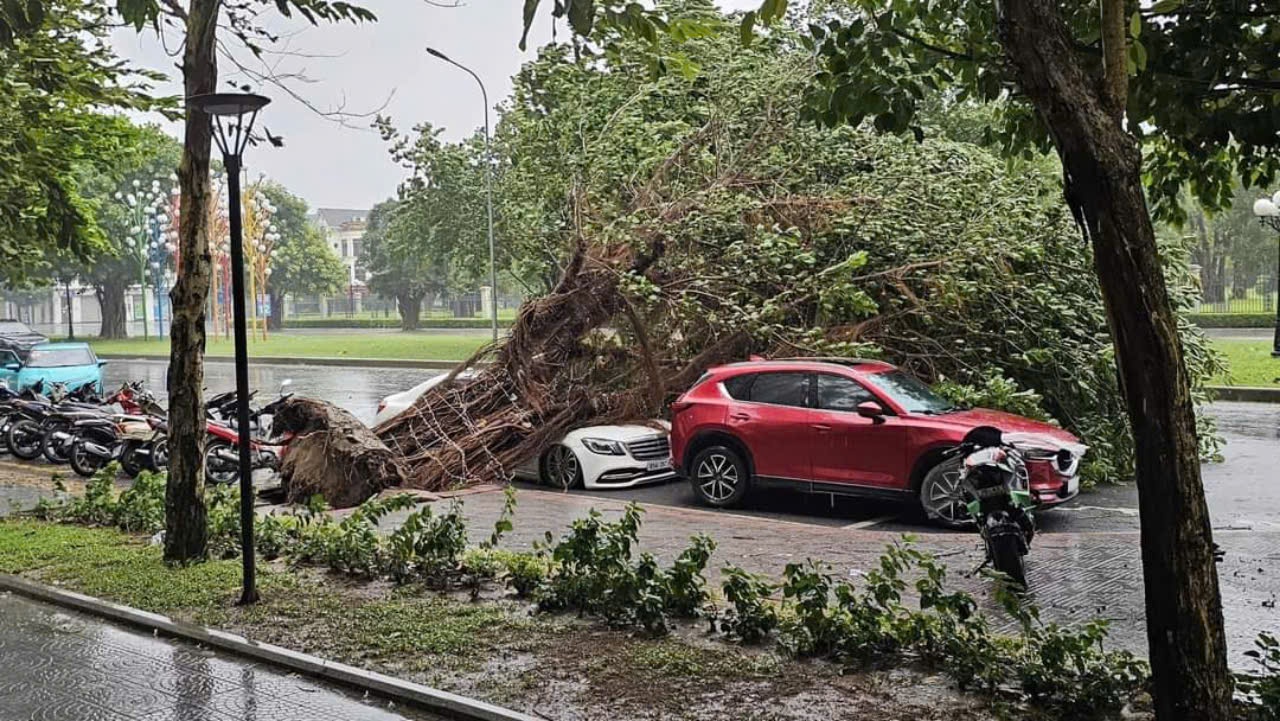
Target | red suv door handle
(821,427)
(740,416)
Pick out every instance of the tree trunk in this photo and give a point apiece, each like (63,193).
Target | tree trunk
(1102,173)
(410,307)
(186,533)
(275,321)
(111,304)
(427,303)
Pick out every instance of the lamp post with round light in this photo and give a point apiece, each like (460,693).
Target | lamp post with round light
(232,116)
(146,206)
(1268,212)
(162,249)
(260,232)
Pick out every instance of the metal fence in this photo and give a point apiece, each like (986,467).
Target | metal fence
(1238,293)
(458,305)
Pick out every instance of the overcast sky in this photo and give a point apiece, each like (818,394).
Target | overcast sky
(368,65)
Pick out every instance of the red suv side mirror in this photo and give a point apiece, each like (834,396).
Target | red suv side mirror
(872,410)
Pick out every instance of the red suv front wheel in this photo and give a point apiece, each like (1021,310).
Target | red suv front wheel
(719,476)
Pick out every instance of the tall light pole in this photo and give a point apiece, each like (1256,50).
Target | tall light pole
(488,189)
(1268,212)
(231,131)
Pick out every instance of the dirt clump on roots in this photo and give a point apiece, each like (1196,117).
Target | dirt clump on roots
(332,454)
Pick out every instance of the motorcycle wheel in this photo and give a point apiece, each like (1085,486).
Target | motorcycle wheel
(84,463)
(1006,557)
(218,471)
(129,462)
(159,459)
(24,439)
(50,449)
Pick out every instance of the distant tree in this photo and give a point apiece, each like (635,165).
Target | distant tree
(50,130)
(396,252)
(145,154)
(432,239)
(304,264)
(1231,248)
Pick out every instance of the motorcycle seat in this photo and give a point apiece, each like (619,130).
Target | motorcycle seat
(93,423)
(75,415)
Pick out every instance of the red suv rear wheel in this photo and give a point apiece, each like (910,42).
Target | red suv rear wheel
(719,476)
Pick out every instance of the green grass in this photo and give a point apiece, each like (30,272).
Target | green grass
(394,346)
(120,567)
(1250,362)
(311,611)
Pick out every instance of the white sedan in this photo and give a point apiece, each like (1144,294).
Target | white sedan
(591,457)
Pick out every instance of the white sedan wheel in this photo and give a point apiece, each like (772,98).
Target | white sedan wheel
(561,469)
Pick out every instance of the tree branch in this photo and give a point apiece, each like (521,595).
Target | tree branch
(1115,68)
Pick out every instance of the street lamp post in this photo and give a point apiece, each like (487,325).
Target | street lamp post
(488,189)
(231,131)
(1268,212)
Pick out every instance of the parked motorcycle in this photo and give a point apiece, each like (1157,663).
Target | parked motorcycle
(135,438)
(222,451)
(61,426)
(995,488)
(25,434)
(10,413)
(144,445)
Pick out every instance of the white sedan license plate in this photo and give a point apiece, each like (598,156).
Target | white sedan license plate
(661,464)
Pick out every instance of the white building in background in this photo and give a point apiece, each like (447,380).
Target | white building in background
(344,231)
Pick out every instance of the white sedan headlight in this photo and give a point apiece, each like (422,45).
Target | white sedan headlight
(604,447)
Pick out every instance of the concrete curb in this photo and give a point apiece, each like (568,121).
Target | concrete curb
(1248,394)
(356,362)
(450,705)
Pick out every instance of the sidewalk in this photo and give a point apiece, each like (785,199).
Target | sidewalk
(61,665)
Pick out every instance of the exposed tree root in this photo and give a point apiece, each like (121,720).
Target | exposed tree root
(332,454)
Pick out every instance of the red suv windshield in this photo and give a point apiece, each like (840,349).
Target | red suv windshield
(911,394)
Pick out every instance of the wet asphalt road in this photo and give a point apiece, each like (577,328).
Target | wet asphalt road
(1243,491)
(60,665)
(356,389)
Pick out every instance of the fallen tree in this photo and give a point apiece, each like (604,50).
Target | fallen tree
(332,454)
(703,219)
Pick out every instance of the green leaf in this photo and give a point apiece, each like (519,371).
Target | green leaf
(530,12)
(1137,57)
(746,31)
(1135,25)
(582,14)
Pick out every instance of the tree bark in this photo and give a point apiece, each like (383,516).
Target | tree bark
(1103,185)
(186,534)
(111,304)
(275,321)
(410,307)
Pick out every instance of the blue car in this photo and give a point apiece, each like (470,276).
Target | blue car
(71,363)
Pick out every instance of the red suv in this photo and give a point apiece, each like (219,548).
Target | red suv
(850,427)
